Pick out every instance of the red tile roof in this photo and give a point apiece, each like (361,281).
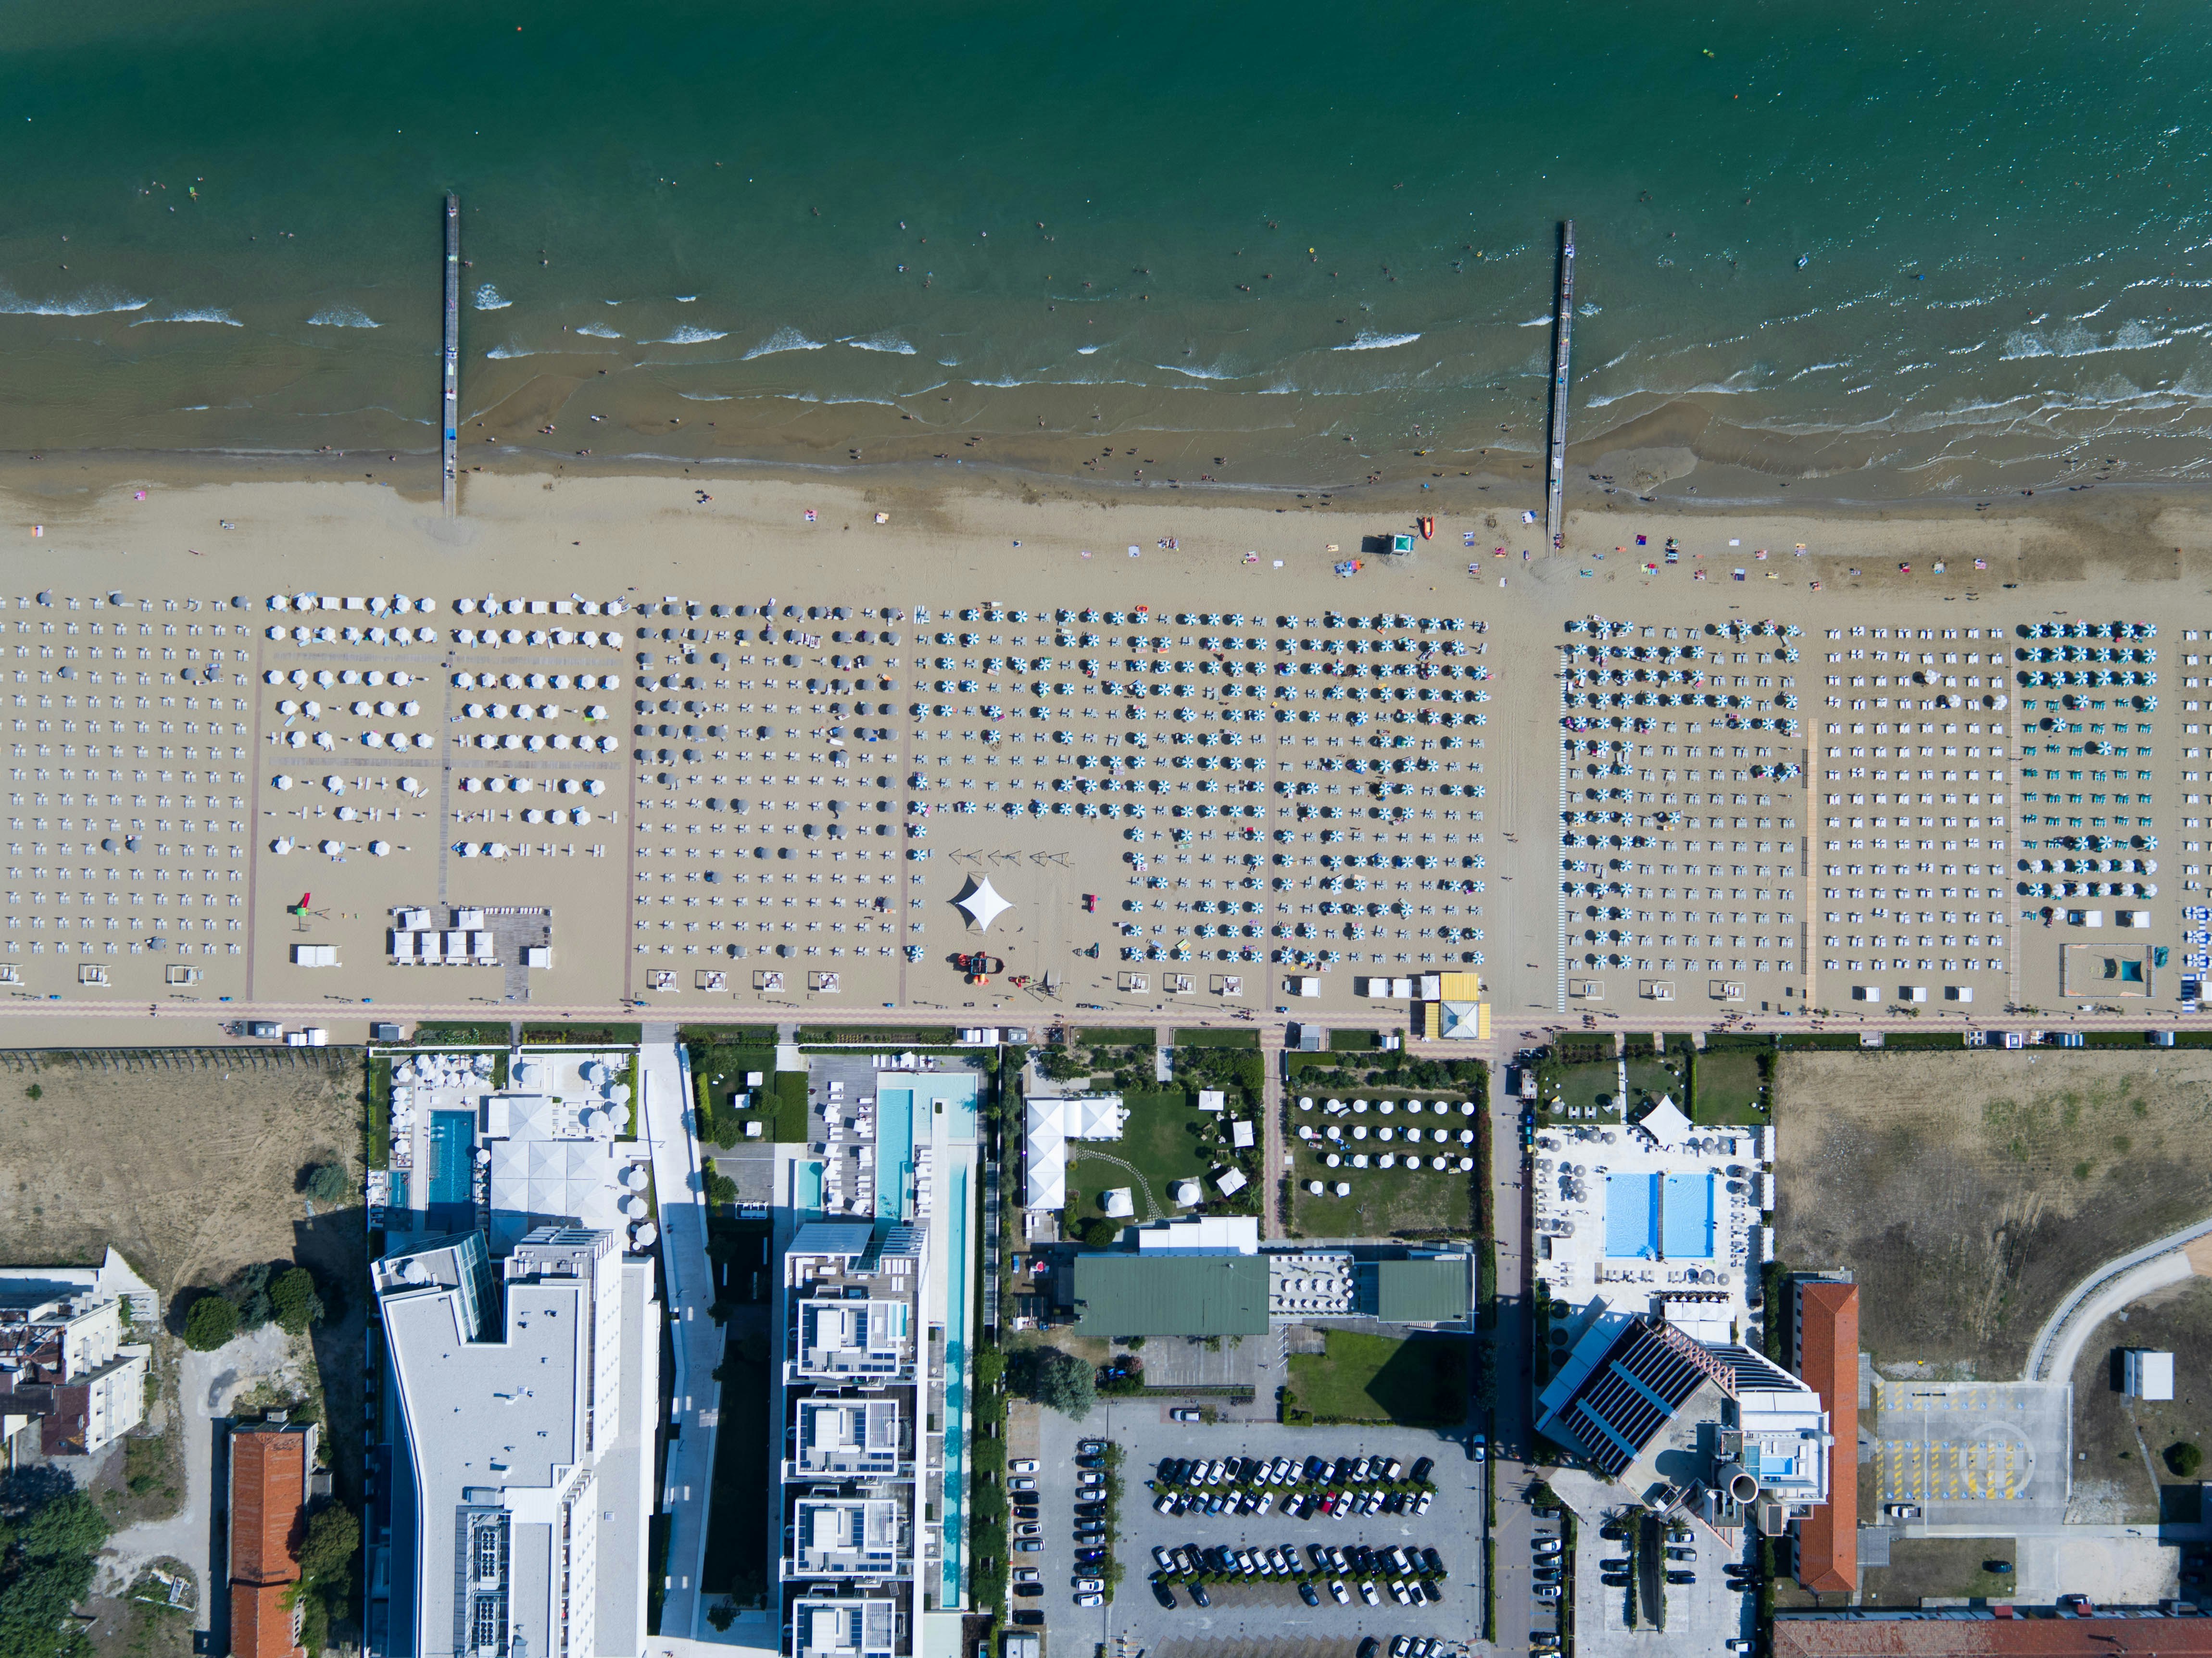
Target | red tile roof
(268,1492)
(261,1625)
(1828,1360)
(1938,1637)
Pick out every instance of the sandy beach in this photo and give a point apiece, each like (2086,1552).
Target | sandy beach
(1252,875)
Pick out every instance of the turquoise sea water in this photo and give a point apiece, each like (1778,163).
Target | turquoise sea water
(1916,247)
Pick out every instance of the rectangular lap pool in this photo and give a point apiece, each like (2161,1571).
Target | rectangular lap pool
(1631,1217)
(453,1143)
(1686,1218)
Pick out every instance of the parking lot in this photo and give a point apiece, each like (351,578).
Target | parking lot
(1269,1611)
(1705,1614)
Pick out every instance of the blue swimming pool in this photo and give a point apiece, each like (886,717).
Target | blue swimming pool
(453,1143)
(894,1150)
(1686,1218)
(957,1264)
(1631,1217)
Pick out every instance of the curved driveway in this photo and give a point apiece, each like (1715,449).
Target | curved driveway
(2104,1293)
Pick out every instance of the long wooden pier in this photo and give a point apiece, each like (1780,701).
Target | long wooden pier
(1556,473)
(449,415)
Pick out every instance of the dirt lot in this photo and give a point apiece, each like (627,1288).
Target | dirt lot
(188,1162)
(2113,1431)
(1941,1567)
(1970,1192)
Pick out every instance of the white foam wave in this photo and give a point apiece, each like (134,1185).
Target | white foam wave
(341,316)
(703,397)
(598,332)
(688,336)
(1201,374)
(205,314)
(501,353)
(488,299)
(784,339)
(2079,342)
(1710,388)
(687,299)
(1085,350)
(1544,321)
(1817,369)
(1368,342)
(97,302)
(890,342)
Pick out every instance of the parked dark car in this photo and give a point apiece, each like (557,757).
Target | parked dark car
(1433,1561)
(1027,1615)
(1306,1594)
(1198,1594)
(1162,1593)
(1423,1468)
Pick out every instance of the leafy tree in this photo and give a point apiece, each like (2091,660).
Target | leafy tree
(721,1188)
(294,1300)
(333,1538)
(248,1290)
(1062,1063)
(1055,1379)
(49,1534)
(328,1182)
(211,1321)
(990,1373)
(1100,1232)
(2185,1458)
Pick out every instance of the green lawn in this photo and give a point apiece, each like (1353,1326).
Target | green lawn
(719,1073)
(1159,1139)
(1729,1088)
(1420,1383)
(1384,1202)
(1217,1037)
(787,1091)
(1649,1078)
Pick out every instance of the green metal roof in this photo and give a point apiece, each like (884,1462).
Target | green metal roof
(1166,1295)
(1422,1292)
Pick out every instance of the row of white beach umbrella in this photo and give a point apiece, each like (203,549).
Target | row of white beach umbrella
(325,677)
(524,786)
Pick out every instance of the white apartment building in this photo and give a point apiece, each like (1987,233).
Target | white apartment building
(527,1392)
(64,1362)
(854,1561)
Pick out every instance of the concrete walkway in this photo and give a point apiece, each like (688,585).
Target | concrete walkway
(206,1384)
(2104,1293)
(687,1274)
